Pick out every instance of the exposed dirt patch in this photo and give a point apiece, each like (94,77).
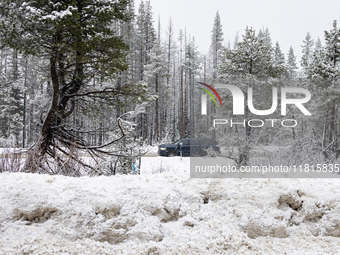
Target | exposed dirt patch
(38,215)
(291,200)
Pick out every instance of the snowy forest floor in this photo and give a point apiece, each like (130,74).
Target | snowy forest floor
(167,213)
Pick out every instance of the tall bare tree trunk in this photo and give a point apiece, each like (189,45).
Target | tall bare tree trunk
(182,105)
(157,111)
(24,110)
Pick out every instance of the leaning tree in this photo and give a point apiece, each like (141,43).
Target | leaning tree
(80,41)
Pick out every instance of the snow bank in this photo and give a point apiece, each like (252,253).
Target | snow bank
(167,213)
(155,165)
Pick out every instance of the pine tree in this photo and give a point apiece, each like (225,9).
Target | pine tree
(332,39)
(307,51)
(251,61)
(145,42)
(236,41)
(325,60)
(216,43)
(170,79)
(291,63)
(80,44)
(170,47)
(127,29)
(332,57)
(251,57)
(181,39)
(265,36)
(155,76)
(146,35)
(325,74)
(279,57)
(318,44)
(191,66)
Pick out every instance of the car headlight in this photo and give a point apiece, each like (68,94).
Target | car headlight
(162,149)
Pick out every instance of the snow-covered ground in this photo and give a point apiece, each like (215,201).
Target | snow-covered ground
(166,212)
(152,165)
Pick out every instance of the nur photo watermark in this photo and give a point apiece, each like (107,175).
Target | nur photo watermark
(264,129)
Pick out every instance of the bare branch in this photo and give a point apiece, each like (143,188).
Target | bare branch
(9,83)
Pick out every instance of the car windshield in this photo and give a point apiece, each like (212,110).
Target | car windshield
(208,142)
(177,142)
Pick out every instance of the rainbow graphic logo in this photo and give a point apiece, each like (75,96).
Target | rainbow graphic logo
(204,97)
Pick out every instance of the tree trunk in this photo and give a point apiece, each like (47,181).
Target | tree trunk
(157,111)
(244,157)
(45,138)
(182,105)
(24,110)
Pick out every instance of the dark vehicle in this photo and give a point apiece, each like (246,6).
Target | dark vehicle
(188,147)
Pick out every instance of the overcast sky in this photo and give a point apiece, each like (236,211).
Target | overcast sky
(288,21)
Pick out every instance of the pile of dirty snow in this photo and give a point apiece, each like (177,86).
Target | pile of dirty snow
(167,213)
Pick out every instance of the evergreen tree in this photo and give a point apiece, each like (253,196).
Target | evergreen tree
(249,63)
(325,60)
(146,35)
(318,44)
(146,38)
(170,79)
(265,36)
(307,51)
(236,41)
(181,113)
(191,66)
(80,44)
(155,76)
(326,73)
(279,57)
(216,43)
(251,57)
(228,45)
(332,47)
(291,63)
(170,47)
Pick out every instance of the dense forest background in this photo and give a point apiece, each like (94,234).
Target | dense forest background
(156,87)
